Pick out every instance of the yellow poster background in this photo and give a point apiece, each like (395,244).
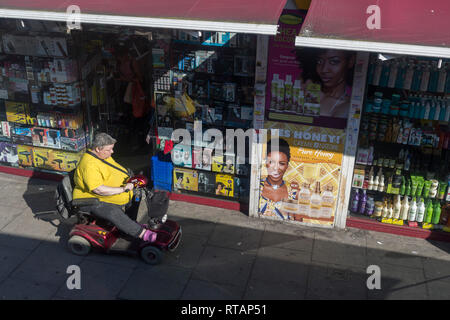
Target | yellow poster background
(316,155)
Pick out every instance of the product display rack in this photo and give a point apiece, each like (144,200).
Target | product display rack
(43,125)
(401,175)
(216,71)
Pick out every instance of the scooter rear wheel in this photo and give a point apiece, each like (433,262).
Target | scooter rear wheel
(151,255)
(79,245)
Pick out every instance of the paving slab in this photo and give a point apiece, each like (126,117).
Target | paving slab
(18,289)
(161,282)
(400,283)
(99,281)
(204,290)
(225,266)
(336,282)
(10,259)
(47,264)
(341,247)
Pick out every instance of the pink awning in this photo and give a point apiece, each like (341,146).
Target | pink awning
(256,16)
(395,26)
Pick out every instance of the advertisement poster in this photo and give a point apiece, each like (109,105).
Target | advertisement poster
(300,176)
(307,85)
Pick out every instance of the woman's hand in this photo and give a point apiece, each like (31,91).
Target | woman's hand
(128,187)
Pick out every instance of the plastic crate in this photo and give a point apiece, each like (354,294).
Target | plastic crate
(162,174)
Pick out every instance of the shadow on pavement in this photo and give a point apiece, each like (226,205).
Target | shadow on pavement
(216,260)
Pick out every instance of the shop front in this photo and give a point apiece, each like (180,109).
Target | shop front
(394,175)
(306,109)
(198,64)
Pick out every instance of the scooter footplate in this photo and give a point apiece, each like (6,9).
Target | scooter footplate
(123,246)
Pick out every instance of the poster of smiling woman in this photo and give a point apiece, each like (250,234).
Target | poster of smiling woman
(307,85)
(300,173)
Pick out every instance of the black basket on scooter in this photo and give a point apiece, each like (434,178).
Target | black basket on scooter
(158,205)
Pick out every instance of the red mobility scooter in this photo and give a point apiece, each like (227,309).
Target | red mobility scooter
(91,233)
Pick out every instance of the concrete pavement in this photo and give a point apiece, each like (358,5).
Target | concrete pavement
(224,255)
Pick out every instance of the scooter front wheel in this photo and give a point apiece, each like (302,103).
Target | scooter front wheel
(151,255)
(79,245)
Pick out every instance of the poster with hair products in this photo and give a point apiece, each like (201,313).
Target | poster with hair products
(307,85)
(300,173)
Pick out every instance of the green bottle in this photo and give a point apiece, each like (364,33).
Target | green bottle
(436,213)
(408,188)
(403,186)
(429,212)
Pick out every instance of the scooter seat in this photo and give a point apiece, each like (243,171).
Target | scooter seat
(85,202)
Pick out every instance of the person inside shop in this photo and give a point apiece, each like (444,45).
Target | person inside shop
(96,179)
(220,189)
(273,188)
(128,71)
(333,70)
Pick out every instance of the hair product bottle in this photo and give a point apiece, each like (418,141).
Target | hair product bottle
(288,88)
(316,201)
(304,199)
(274,91)
(327,202)
(412,210)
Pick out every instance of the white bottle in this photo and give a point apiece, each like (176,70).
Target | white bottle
(274,91)
(376,182)
(390,211)
(327,202)
(316,201)
(413,210)
(397,207)
(304,200)
(288,93)
(421,211)
(381,184)
(405,209)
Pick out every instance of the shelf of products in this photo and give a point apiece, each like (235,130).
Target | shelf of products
(42,124)
(205,80)
(402,166)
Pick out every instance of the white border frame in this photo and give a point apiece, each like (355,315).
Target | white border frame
(351,138)
(372,46)
(220,26)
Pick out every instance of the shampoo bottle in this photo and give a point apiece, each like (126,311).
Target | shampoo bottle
(412,210)
(421,211)
(436,213)
(397,207)
(428,212)
(362,203)
(327,202)
(316,201)
(274,91)
(405,209)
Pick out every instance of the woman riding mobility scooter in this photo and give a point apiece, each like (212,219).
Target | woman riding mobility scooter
(93,233)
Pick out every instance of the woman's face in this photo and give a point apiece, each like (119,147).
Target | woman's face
(277,163)
(332,67)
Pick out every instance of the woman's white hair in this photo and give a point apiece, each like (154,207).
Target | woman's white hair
(101,140)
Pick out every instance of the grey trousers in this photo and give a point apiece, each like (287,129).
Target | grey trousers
(116,215)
